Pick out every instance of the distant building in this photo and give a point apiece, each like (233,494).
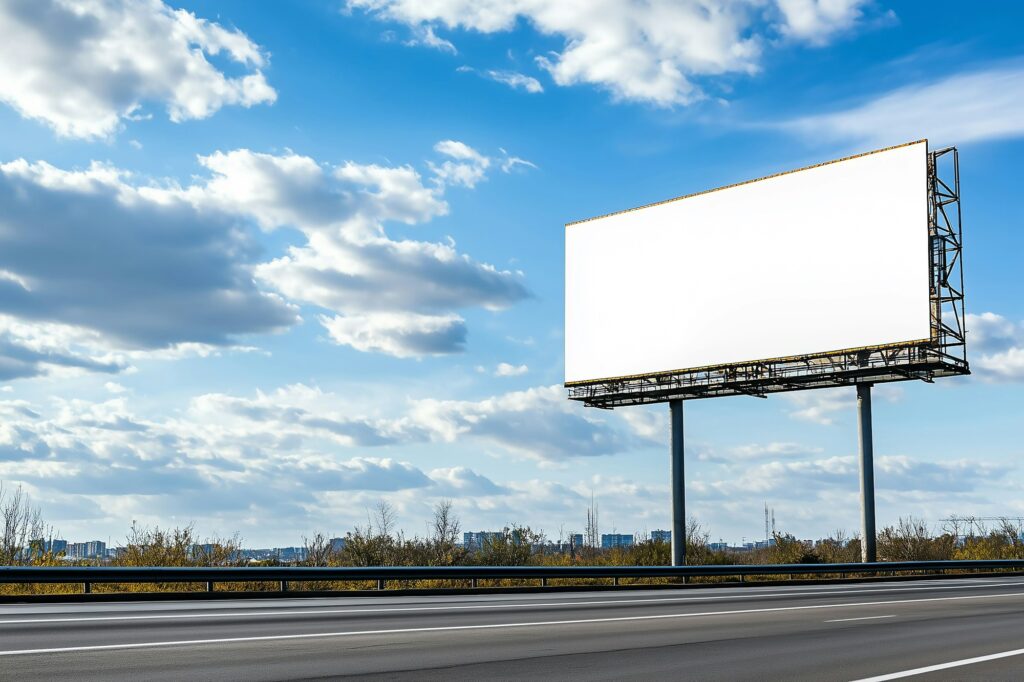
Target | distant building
(474,542)
(96,549)
(43,546)
(337,544)
(290,554)
(612,540)
(576,540)
(718,546)
(661,536)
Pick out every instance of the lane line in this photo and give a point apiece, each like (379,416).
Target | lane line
(846,620)
(942,666)
(488,626)
(477,607)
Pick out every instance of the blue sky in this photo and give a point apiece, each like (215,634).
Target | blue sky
(262,266)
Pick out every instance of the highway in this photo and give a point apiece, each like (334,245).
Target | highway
(921,630)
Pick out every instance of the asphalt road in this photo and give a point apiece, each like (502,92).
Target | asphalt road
(824,632)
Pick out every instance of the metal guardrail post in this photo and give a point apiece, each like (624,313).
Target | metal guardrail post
(381,584)
(209,586)
(284,586)
(472,582)
(87,588)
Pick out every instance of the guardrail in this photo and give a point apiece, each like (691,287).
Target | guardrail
(87,576)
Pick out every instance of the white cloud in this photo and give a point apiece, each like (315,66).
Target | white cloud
(509,163)
(95,261)
(516,80)
(467,166)
(286,462)
(172,271)
(403,335)
(395,297)
(982,104)
(893,472)
(818,20)
(425,36)
(649,423)
(538,423)
(652,51)
(995,347)
(755,451)
(288,459)
(30,349)
(505,369)
(84,66)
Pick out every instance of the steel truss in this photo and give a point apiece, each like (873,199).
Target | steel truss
(944,354)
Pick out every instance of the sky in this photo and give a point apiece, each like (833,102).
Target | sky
(264,265)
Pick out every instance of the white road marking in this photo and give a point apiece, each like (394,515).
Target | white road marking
(846,620)
(490,626)
(477,607)
(943,666)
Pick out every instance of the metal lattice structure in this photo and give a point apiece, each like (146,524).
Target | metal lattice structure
(944,354)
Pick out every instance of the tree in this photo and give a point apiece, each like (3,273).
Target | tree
(512,546)
(443,546)
(22,525)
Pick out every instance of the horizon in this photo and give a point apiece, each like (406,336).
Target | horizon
(282,265)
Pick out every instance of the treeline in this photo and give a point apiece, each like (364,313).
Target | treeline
(379,542)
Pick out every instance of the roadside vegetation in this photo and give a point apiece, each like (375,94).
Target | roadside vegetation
(25,537)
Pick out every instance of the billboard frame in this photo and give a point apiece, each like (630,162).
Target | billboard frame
(943,354)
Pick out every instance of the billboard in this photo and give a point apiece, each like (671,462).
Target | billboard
(822,260)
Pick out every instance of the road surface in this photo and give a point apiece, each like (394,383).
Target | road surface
(924,630)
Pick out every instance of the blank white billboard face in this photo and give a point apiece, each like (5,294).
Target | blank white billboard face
(828,258)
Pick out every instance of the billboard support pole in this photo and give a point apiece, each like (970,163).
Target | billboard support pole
(867,474)
(678,488)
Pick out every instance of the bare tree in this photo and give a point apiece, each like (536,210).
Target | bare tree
(22,524)
(319,550)
(445,530)
(384,519)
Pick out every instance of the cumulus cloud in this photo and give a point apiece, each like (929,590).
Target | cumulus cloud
(398,297)
(996,347)
(173,269)
(652,52)
(83,67)
(816,21)
(893,472)
(403,335)
(538,423)
(505,369)
(976,105)
(284,459)
(813,492)
(465,167)
(92,260)
(41,349)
